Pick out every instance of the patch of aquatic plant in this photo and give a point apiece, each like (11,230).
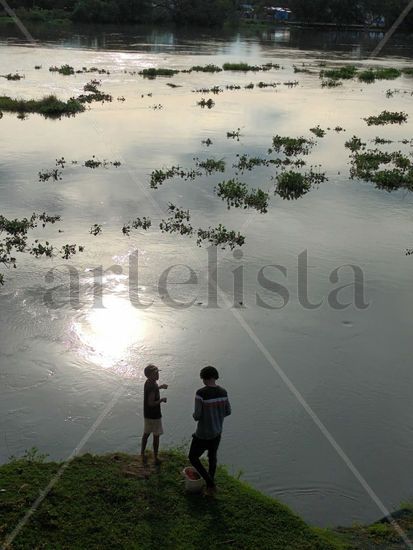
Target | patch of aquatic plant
(178,222)
(339,129)
(220,236)
(381,141)
(206,68)
(249,86)
(140,223)
(65,70)
(244,67)
(158,177)
(233,87)
(236,134)
(386,117)
(249,163)
(156,107)
(331,83)
(355,144)
(237,195)
(207,142)
(94,94)
(302,69)
(96,229)
(153,72)
(291,83)
(292,185)
(14,238)
(347,72)
(267,85)
(408,71)
(48,106)
(172,85)
(96,163)
(370,75)
(206,103)
(214,90)
(11,76)
(93,70)
(292,146)
(317,131)
(37,67)
(210,165)
(121,98)
(69,250)
(268,66)
(54,174)
(367,166)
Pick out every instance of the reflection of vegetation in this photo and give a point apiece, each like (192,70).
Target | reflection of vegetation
(238,195)
(48,106)
(14,239)
(386,117)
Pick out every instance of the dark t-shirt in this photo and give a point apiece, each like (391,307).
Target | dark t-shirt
(151,412)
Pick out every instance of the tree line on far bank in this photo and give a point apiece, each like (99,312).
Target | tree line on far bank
(211,13)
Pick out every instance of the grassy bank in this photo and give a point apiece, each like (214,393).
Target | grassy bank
(112,502)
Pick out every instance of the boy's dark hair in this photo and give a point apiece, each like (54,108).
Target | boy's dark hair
(209,372)
(149,369)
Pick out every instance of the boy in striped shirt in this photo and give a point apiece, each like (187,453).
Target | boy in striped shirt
(211,407)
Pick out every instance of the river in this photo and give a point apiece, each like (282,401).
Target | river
(73,360)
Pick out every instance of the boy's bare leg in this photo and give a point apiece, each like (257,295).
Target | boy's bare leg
(145,438)
(156,447)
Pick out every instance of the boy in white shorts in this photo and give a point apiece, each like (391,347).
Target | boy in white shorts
(152,411)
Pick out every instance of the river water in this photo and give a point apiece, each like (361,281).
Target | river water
(69,358)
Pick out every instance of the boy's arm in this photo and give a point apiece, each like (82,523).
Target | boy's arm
(227,408)
(198,408)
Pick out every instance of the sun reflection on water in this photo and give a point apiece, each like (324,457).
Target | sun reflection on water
(106,335)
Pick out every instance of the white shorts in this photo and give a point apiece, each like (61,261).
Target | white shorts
(153,426)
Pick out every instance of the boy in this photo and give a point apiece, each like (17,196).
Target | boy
(211,407)
(152,411)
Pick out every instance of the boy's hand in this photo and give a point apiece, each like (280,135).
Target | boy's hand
(164,400)
(163,387)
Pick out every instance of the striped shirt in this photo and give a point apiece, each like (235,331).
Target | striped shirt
(211,407)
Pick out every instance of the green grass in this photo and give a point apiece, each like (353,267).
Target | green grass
(240,67)
(386,117)
(370,75)
(105,502)
(48,106)
(206,69)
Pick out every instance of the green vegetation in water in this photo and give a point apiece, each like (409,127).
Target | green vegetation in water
(368,166)
(248,163)
(153,72)
(408,71)
(354,144)
(158,177)
(267,85)
(214,90)
(381,141)
(209,103)
(96,163)
(243,67)
(65,70)
(302,69)
(220,236)
(139,223)
(208,142)
(347,72)
(14,235)
(54,174)
(293,185)
(206,68)
(93,93)
(372,74)
(292,146)
(12,76)
(152,508)
(236,134)
(331,83)
(96,229)
(37,67)
(233,87)
(237,195)
(172,85)
(317,131)
(386,117)
(48,106)
(210,165)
